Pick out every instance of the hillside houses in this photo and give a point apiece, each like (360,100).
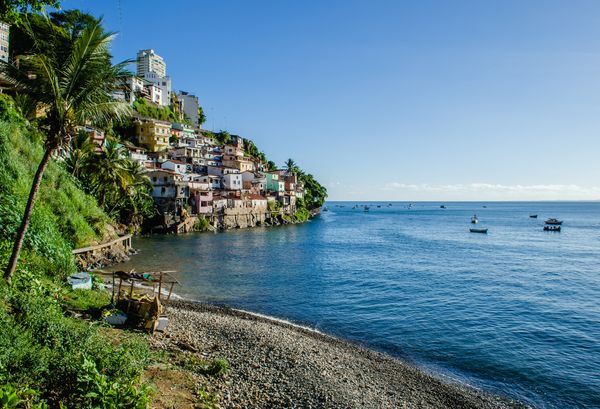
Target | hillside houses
(196,173)
(189,169)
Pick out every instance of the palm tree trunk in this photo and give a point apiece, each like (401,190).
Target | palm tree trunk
(12,263)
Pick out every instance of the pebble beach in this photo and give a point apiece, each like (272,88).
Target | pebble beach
(277,364)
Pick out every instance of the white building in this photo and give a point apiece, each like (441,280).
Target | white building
(148,61)
(152,68)
(232,181)
(175,166)
(4,37)
(188,104)
(164,83)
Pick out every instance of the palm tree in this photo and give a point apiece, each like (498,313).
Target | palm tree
(291,166)
(108,177)
(79,154)
(69,74)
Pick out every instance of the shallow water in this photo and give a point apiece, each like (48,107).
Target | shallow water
(516,311)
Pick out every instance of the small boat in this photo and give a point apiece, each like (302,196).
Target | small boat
(474,219)
(442,207)
(366,208)
(478,231)
(485,207)
(533,216)
(554,222)
(551,228)
(378,206)
(325,209)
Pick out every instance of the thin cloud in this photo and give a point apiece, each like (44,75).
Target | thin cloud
(539,191)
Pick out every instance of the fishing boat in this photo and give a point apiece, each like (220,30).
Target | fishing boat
(553,222)
(442,207)
(474,219)
(551,228)
(533,216)
(473,230)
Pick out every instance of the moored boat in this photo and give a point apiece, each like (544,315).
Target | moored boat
(442,207)
(553,222)
(533,216)
(551,228)
(473,230)
(474,219)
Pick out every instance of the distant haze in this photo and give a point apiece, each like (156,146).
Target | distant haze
(392,100)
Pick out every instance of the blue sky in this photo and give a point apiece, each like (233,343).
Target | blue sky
(392,100)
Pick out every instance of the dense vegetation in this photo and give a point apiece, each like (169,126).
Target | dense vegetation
(314,193)
(119,184)
(46,356)
(148,110)
(64,217)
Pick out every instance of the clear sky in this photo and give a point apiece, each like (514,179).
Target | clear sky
(392,100)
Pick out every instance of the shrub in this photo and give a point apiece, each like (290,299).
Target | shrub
(202,224)
(44,350)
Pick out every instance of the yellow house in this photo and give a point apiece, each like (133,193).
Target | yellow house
(238,162)
(153,134)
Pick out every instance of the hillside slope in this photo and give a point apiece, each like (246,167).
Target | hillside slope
(64,216)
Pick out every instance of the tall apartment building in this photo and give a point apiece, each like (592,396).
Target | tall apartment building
(4,36)
(152,67)
(149,61)
(188,104)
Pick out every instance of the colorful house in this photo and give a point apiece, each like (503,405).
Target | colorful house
(153,134)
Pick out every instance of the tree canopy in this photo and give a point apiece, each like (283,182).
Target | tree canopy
(11,11)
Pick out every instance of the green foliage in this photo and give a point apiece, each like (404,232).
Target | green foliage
(64,216)
(44,350)
(301,215)
(271,165)
(314,192)
(273,206)
(149,110)
(120,185)
(217,367)
(12,397)
(222,137)
(12,11)
(291,166)
(202,224)
(8,110)
(201,116)
(84,300)
(97,390)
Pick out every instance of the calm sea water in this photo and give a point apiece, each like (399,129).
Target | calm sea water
(516,311)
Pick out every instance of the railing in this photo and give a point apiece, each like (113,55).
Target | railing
(125,241)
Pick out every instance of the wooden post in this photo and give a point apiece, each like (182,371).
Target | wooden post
(170,291)
(160,285)
(130,295)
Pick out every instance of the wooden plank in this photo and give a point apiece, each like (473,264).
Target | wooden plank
(103,245)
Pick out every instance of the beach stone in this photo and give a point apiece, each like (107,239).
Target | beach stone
(274,364)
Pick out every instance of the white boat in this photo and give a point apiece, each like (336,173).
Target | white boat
(474,219)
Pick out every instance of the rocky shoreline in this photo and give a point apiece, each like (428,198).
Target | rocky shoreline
(277,364)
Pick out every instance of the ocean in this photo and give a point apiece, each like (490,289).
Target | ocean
(515,311)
